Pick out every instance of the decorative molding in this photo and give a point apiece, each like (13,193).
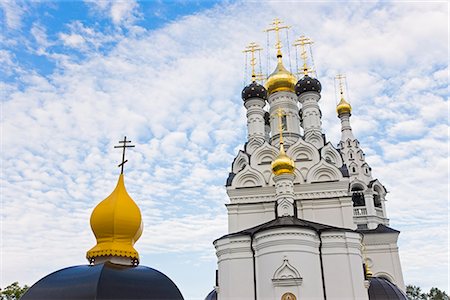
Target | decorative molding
(286,275)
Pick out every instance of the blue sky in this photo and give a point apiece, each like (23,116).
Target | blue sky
(76,76)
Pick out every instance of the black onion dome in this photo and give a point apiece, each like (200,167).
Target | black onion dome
(254,90)
(212,295)
(382,289)
(307,84)
(104,281)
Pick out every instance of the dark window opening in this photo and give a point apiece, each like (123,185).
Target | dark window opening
(358,196)
(377,200)
(362,226)
(284,123)
(353,169)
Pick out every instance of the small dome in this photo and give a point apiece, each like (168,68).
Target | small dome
(254,90)
(343,107)
(283,164)
(382,289)
(117,225)
(307,84)
(281,79)
(105,281)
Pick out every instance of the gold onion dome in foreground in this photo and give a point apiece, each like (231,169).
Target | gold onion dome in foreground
(281,79)
(343,107)
(117,225)
(283,164)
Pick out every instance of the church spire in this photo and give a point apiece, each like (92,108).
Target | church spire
(283,168)
(344,110)
(117,224)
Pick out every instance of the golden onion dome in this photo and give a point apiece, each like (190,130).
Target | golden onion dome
(117,225)
(343,107)
(283,164)
(281,79)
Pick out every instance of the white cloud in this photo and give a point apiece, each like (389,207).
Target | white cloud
(13,12)
(120,11)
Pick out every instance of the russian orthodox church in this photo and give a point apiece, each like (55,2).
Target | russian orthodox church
(306,219)
(113,271)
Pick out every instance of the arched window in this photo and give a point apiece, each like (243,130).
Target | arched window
(377,197)
(358,196)
(353,169)
(284,123)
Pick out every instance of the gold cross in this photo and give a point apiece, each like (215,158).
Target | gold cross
(252,48)
(341,77)
(276,22)
(280,114)
(303,41)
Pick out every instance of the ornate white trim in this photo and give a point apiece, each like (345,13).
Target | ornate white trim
(286,275)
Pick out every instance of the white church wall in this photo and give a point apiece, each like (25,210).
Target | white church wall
(342,265)
(235,265)
(300,248)
(381,251)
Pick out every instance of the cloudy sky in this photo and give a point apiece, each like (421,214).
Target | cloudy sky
(78,76)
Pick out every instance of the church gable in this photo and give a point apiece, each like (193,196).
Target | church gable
(248,177)
(331,155)
(323,172)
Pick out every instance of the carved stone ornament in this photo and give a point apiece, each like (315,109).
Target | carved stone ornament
(287,275)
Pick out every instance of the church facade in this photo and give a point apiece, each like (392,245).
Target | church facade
(306,219)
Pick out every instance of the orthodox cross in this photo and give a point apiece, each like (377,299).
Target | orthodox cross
(340,78)
(276,23)
(302,42)
(280,114)
(252,48)
(124,146)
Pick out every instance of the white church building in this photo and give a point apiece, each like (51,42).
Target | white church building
(306,219)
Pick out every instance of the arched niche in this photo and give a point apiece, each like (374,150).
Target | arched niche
(248,177)
(240,162)
(323,172)
(302,151)
(331,155)
(264,155)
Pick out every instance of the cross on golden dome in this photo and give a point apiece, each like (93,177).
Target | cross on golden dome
(276,27)
(302,42)
(124,146)
(283,164)
(343,106)
(252,48)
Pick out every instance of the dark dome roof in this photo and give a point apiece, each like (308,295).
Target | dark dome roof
(253,90)
(307,84)
(382,289)
(212,295)
(104,281)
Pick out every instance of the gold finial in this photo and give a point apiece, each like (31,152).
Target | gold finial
(343,106)
(252,48)
(276,23)
(302,42)
(282,164)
